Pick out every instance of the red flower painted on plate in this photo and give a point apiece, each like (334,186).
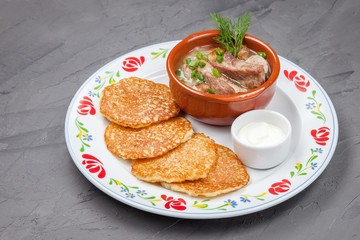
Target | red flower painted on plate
(300,82)
(86,106)
(321,135)
(131,64)
(94,165)
(280,187)
(177,204)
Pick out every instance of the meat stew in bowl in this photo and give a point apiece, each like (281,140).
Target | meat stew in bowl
(212,69)
(223,101)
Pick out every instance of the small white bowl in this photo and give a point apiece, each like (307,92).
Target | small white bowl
(261,157)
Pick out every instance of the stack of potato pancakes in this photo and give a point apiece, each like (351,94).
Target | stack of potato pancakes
(145,127)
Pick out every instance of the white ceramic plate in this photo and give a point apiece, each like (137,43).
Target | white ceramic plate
(298,96)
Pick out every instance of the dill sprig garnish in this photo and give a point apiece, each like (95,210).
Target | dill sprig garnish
(232,32)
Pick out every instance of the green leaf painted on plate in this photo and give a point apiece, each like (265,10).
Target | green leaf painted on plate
(313,93)
(316,113)
(149,198)
(84,129)
(97,87)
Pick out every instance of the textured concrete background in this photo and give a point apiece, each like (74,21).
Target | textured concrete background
(49,48)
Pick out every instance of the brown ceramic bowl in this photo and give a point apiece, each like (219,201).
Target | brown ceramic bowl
(219,109)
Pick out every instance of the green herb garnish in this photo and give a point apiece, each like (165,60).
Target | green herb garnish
(215,72)
(218,52)
(178,72)
(194,74)
(262,54)
(201,64)
(193,64)
(200,77)
(219,59)
(199,55)
(232,32)
(211,91)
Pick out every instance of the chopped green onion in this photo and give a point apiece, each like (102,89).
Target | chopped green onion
(178,72)
(215,72)
(188,60)
(199,55)
(219,52)
(193,64)
(211,91)
(262,54)
(219,59)
(200,77)
(194,74)
(201,64)
(182,79)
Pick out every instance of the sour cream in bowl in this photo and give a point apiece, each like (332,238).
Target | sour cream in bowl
(261,138)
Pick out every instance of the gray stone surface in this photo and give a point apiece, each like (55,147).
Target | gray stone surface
(49,48)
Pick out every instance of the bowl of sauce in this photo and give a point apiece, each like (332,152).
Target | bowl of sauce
(261,138)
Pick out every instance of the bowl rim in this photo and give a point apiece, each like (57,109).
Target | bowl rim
(216,97)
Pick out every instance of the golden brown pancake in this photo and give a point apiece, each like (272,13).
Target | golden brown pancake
(227,175)
(135,102)
(189,161)
(148,142)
